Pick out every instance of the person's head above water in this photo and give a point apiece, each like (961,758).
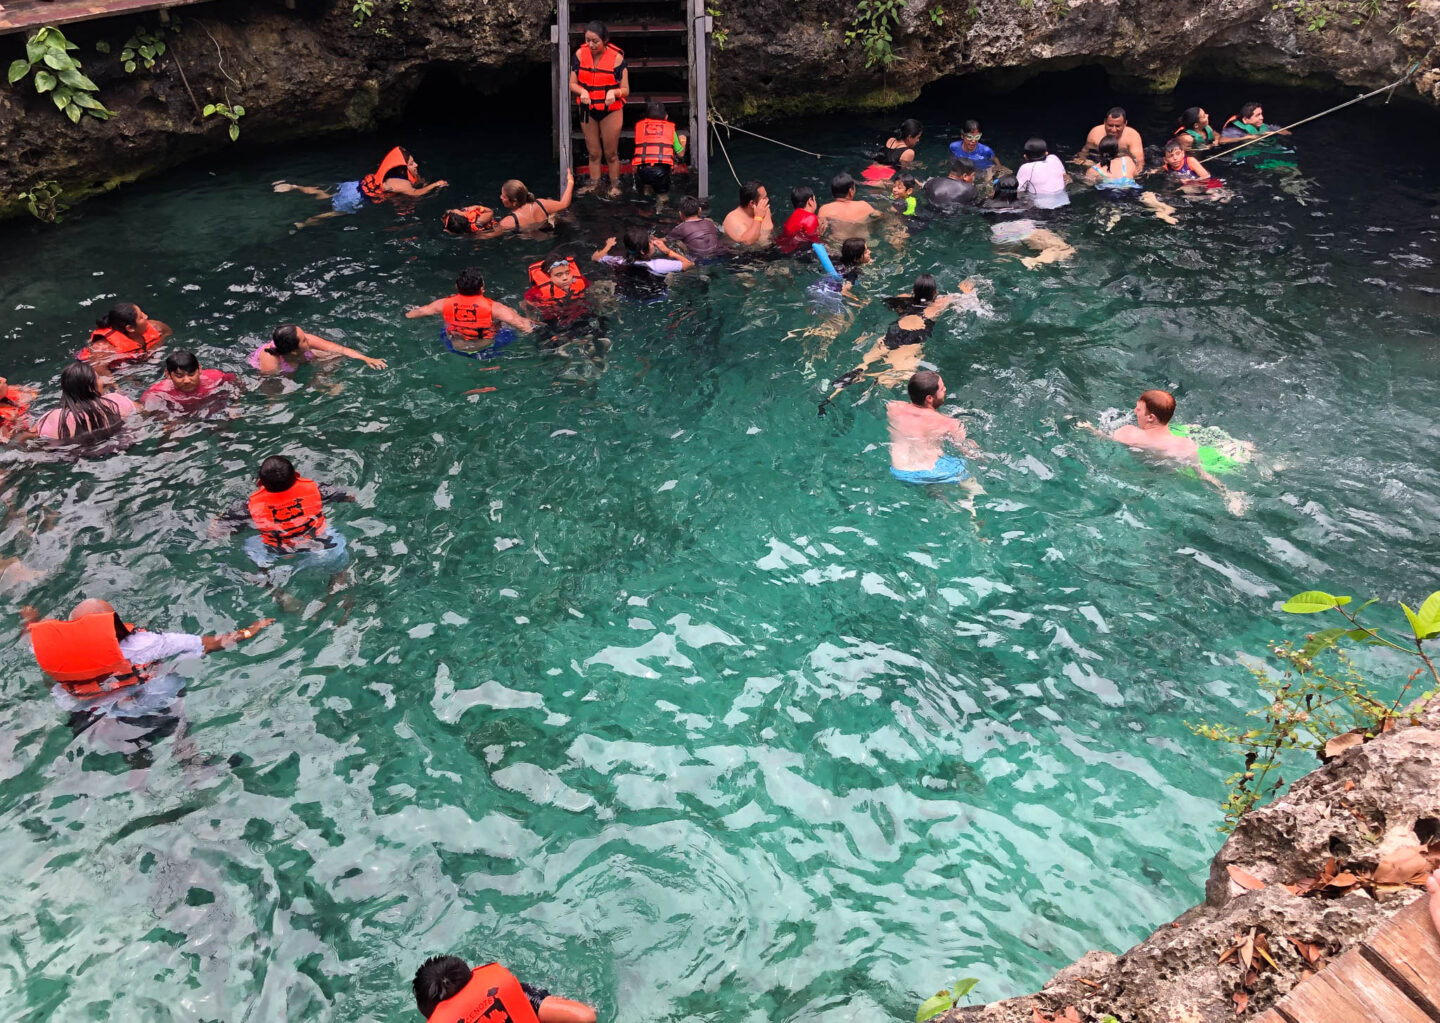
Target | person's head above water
(456,222)
(514,194)
(596,37)
(439,978)
(183,369)
(1174,154)
(751,192)
(926,389)
(1109,149)
(854,252)
(842,186)
(908,132)
(1036,149)
(689,207)
(561,273)
(970,136)
(924,289)
(1154,409)
(95,606)
(408,169)
(126,317)
(470,281)
(285,340)
(1007,186)
(637,242)
(962,169)
(277,473)
(1115,122)
(1194,117)
(902,185)
(78,382)
(802,197)
(1252,113)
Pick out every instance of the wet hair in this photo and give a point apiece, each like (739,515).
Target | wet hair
(1109,148)
(923,384)
(689,207)
(120,316)
(841,185)
(457,223)
(516,192)
(1173,146)
(1007,186)
(656,110)
(599,29)
(438,978)
(82,408)
(400,170)
(800,195)
(924,289)
(1160,404)
(750,192)
(909,129)
(1116,112)
(852,250)
(637,242)
(1036,149)
(470,281)
(284,340)
(1189,116)
(1248,110)
(182,361)
(277,473)
(961,165)
(907,181)
(970,127)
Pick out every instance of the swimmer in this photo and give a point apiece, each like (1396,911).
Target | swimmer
(555,282)
(1042,177)
(903,199)
(969,147)
(844,211)
(1195,130)
(397,175)
(1249,122)
(85,414)
(657,147)
(643,251)
(14,410)
(288,513)
(695,231)
(749,223)
(469,316)
(1005,207)
(918,433)
(289,345)
(447,990)
(1183,167)
(186,387)
(600,83)
(123,333)
(1116,127)
(897,153)
(467,219)
(955,190)
(99,663)
(1115,172)
(527,213)
(802,227)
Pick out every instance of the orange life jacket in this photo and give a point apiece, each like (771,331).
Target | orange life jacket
(373,185)
(122,343)
(599,77)
(468,316)
(474,215)
(492,995)
(287,515)
(13,406)
(83,655)
(545,290)
(654,142)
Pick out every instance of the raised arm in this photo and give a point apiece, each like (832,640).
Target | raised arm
(599,254)
(685,262)
(563,203)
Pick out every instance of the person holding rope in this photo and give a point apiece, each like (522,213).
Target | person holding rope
(1250,121)
(600,82)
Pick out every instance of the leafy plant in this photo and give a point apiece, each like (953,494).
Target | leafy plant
(43,201)
(1324,706)
(944,1001)
(362,10)
(937,16)
(231,114)
(874,25)
(718,34)
(142,48)
(58,73)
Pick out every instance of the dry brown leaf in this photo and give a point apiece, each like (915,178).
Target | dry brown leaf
(1070,1016)
(1036,1016)
(1264,951)
(1247,949)
(1340,744)
(1349,785)
(1308,952)
(1088,983)
(1406,865)
(1345,880)
(1242,1001)
(1245,880)
(1294,889)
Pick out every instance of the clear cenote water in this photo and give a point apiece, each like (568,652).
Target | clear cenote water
(649,681)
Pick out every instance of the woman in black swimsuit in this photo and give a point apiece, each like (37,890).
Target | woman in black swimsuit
(527,213)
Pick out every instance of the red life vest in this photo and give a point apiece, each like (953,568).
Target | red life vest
(493,995)
(14,407)
(468,316)
(599,77)
(801,226)
(476,216)
(122,343)
(83,655)
(373,185)
(654,142)
(544,291)
(285,516)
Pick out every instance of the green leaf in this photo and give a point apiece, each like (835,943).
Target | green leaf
(44,81)
(1313,601)
(102,47)
(73,112)
(964,986)
(159,49)
(934,1006)
(1324,640)
(239,111)
(1429,615)
(76,80)
(209,109)
(127,54)
(60,61)
(35,47)
(1361,636)
(1414,621)
(61,97)
(234,132)
(18,70)
(102,114)
(129,67)
(148,52)
(89,102)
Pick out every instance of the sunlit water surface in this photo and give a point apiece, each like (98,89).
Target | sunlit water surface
(650,681)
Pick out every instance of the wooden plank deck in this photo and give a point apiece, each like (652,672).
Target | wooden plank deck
(18,15)
(1392,978)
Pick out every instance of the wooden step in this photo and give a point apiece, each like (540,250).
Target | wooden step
(670,99)
(21,14)
(657,62)
(643,28)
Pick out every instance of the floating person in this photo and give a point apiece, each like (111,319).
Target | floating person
(955,191)
(1114,172)
(290,348)
(1180,165)
(832,289)
(1248,123)
(918,434)
(600,83)
(123,333)
(85,414)
(288,513)
(397,175)
(1115,126)
(555,285)
(448,991)
(802,227)
(473,323)
(969,147)
(14,410)
(749,223)
(467,219)
(696,232)
(643,251)
(657,147)
(898,152)
(527,213)
(188,388)
(1011,230)
(98,662)
(844,211)
(1042,177)
(1195,130)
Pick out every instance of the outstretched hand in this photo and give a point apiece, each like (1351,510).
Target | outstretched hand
(374,363)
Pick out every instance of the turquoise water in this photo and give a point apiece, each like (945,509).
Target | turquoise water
(649,681)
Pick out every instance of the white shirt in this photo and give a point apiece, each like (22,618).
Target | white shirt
(1043,179)
(142,647)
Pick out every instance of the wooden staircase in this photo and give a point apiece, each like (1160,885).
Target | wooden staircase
(667,49)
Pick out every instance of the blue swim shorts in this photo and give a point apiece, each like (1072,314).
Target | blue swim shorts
(947,469)
(329,552)
(348,198)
